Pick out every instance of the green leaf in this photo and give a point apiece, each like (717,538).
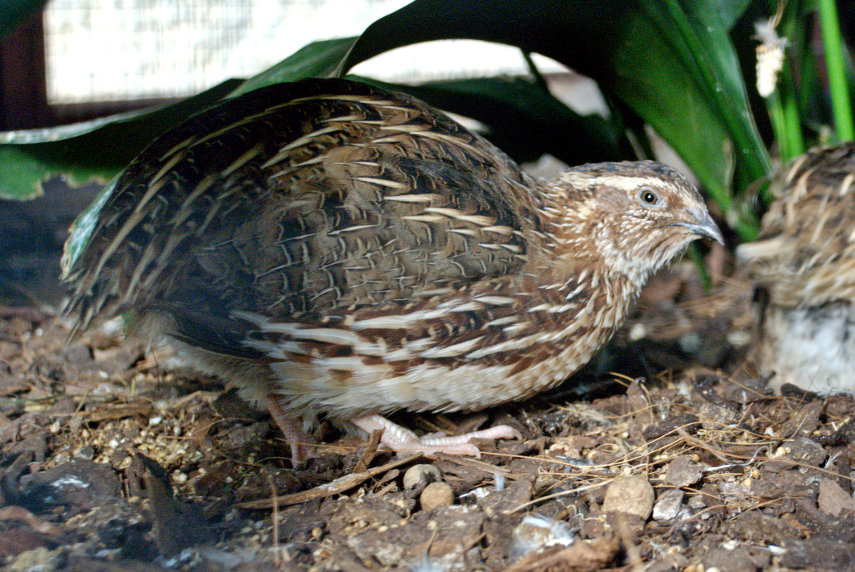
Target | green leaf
(711,21)
(90,151)
(835,52)
(727,11)
(318,59)
(674,70)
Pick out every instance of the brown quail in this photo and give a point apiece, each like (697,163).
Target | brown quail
(332,249)
(803,264)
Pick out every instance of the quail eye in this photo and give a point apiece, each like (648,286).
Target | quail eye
(648,196)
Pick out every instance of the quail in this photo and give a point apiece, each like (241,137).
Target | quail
(336,250)
(803,268)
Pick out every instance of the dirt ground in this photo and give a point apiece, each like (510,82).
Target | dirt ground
(114,457)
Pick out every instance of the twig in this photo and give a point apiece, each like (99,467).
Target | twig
(335,487)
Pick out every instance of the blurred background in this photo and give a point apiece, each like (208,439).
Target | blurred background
(83,58)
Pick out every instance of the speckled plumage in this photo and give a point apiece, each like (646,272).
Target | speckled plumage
(356,252)
(804,266)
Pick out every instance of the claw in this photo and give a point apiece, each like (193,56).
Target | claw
(405,442)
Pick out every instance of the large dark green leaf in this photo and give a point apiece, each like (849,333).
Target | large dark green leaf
(318,59)
(712,21)
(728,11)
(670,63)
(94,150)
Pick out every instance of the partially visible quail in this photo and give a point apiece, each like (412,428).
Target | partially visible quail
(804,266)
(333,249)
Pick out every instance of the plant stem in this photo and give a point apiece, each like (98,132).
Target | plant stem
(776,116)
(792,124)
(836,70)
(791,141)
(783,109)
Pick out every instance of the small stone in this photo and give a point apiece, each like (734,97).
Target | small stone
(79,485)
(801,451)
(436,494)
(631,494)
(804,421)
(669,504)
(77,354)
(535,532)
(833,499)
(807,451)
(683,472)
(697,502)
(421,473)
(37,559)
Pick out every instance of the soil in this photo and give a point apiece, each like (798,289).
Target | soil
(114,456)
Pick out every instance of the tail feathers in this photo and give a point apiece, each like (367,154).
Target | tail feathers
(219,332)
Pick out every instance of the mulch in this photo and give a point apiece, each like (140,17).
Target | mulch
(114,456)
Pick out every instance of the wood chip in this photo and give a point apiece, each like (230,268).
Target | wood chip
(142,408)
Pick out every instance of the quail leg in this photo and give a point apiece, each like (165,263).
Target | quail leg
(297,440)
(403,441)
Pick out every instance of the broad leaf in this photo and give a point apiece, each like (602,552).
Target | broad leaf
(318,59)
(90,151)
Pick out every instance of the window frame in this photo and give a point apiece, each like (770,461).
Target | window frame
(23,86)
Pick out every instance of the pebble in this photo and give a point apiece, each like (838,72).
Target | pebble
(683,471)
(806,452)
(436,494)
(669,504)
(833,499)
(535,532)
(631,494)
(418,474)
(40,559)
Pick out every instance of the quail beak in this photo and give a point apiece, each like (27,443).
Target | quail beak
(702,225)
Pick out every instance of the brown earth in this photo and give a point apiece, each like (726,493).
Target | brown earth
(113,457)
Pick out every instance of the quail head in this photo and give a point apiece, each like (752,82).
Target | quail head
(332,249)
(803,265)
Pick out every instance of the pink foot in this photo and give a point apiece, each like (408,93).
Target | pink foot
(291,428)
(403,441)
